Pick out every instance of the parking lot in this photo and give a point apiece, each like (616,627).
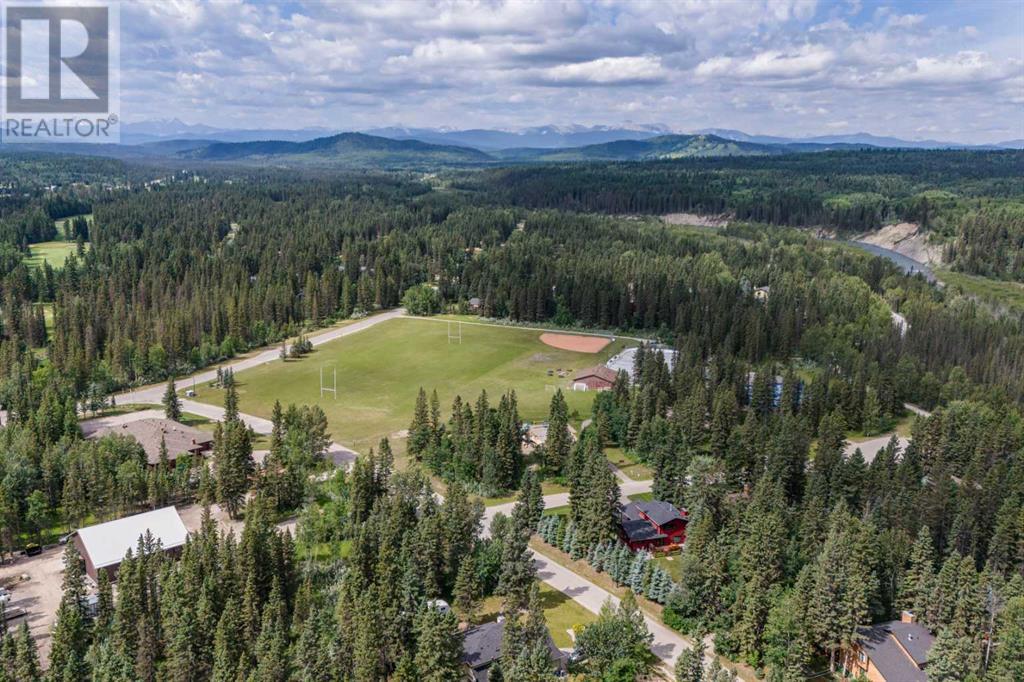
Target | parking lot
(35,583)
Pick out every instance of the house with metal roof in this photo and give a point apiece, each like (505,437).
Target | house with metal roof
(652,524)
(896,651)
(105,545)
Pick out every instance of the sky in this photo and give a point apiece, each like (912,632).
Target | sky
(949,70)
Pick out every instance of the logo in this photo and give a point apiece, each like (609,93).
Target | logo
(61,73)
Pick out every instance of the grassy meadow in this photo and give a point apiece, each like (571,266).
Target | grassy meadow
(381,369)
(54,253)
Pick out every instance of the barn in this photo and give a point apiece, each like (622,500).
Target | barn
(652,525)
(599,378)
(104,545)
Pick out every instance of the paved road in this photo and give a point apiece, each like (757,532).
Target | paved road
(154,393)
(626,488)
(870,448)
(667,643)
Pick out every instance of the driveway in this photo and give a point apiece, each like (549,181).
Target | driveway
(35,585)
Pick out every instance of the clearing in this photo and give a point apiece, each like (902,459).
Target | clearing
(54,253)
(380,369)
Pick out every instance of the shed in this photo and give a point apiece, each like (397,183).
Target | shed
(104,545)
(598,378)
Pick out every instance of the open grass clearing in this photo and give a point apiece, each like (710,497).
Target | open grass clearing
(629,464)
(560,611)
(993,291)
(54,253)
(380,369)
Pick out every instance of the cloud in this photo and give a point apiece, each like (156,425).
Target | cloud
(964,68)
(606,71)
(809,60)
(771,66)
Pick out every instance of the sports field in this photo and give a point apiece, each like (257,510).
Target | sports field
(380,370)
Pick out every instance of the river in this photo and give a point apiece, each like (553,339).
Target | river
(908,265)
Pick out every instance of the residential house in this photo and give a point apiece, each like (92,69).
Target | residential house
(481,647)
(178,438)
(896,651)
(652,525)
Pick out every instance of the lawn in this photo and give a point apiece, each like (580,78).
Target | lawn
(380,370)
(672,565)
(629,464)
(560,611)
(54,253)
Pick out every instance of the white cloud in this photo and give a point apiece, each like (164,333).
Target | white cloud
(809,60)
(606,71)
(964,68)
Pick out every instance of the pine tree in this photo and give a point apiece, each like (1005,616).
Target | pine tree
(420,431)
(1008,657)
(467,589)
(70,634)
(690,664)
(438,646)
(559,440)
(228,647)
(919,580)
(26,657)
(172,406)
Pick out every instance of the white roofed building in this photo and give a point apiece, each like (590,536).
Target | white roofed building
(105,545)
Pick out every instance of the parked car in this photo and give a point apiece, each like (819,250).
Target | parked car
(65,538)
(33,549)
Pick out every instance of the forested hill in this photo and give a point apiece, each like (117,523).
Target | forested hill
(665,147)
(346,149)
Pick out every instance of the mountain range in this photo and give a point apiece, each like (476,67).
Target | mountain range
(540,137)
(184,143)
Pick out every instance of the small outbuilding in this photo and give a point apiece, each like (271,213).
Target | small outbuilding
(179,438)
(104,546)
(598,378)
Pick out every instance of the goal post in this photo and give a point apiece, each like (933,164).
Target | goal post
(455,332)
(332,387)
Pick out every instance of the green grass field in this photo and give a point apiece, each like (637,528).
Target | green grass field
(380,370)
(54,253)
(560,611)
(998,292)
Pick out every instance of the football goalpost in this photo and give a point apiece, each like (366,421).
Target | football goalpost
(454,333)
(331,388)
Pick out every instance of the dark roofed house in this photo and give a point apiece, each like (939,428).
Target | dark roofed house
(599,378)
(651,525)
(481,647)
(178,438)
(896,651)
